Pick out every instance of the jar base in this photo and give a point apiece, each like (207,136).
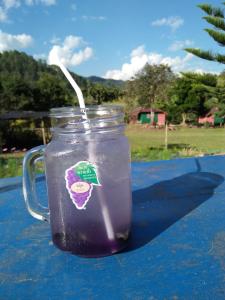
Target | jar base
(88,249)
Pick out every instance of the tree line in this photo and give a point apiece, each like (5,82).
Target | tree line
(184,97)
(27,84)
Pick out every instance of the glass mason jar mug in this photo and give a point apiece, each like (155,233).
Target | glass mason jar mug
(87,166)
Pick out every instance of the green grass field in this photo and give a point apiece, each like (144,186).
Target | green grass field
(11,165)
(147,145)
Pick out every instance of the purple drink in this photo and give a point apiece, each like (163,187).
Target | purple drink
(87,167)
(83,231)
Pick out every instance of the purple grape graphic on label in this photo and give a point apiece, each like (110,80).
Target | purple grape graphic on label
(80,179)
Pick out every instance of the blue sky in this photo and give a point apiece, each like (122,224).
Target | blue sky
(112,39)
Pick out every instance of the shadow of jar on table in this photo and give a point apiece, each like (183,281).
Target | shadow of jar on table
(157,207)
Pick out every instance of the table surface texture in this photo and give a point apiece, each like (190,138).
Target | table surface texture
(176,250)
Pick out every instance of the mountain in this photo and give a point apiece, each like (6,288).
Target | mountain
(29,84)
(15,63)
(106,82)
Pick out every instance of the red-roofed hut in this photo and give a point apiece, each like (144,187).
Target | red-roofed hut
(143,116)
(212,117)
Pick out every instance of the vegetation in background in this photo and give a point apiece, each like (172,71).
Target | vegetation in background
(214,16)
(27,84)
(11,165)
(182,142)
(191,96)
(147,145)
(151,85)
(149,88)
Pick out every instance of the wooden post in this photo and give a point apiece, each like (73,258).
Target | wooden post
(152,117)
(166,136)
(43,132)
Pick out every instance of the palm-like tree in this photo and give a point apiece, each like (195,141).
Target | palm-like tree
(215,16)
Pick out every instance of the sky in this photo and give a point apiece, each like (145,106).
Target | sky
(109,38)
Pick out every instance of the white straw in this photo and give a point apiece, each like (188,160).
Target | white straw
(75,87)
(55,60)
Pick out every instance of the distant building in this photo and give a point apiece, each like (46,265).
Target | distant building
(212,118)
(143,116)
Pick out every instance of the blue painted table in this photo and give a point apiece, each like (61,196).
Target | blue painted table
(177,248)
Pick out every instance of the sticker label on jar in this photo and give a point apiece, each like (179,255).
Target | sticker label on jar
(80,179)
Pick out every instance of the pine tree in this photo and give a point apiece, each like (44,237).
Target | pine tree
(215,16)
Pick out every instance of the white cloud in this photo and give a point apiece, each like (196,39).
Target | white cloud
(40,56)
(3,15)
(10,42)
(7,4)
(72,42)
(55,40)
(94,18)
(44,2)
(66,54)
(81,56)
(138,51)
(138,59)
(178,45)
(173,22)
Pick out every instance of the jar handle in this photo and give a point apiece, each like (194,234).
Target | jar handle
(29,186)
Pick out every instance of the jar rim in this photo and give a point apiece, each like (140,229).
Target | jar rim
(95,118)
(76,111)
